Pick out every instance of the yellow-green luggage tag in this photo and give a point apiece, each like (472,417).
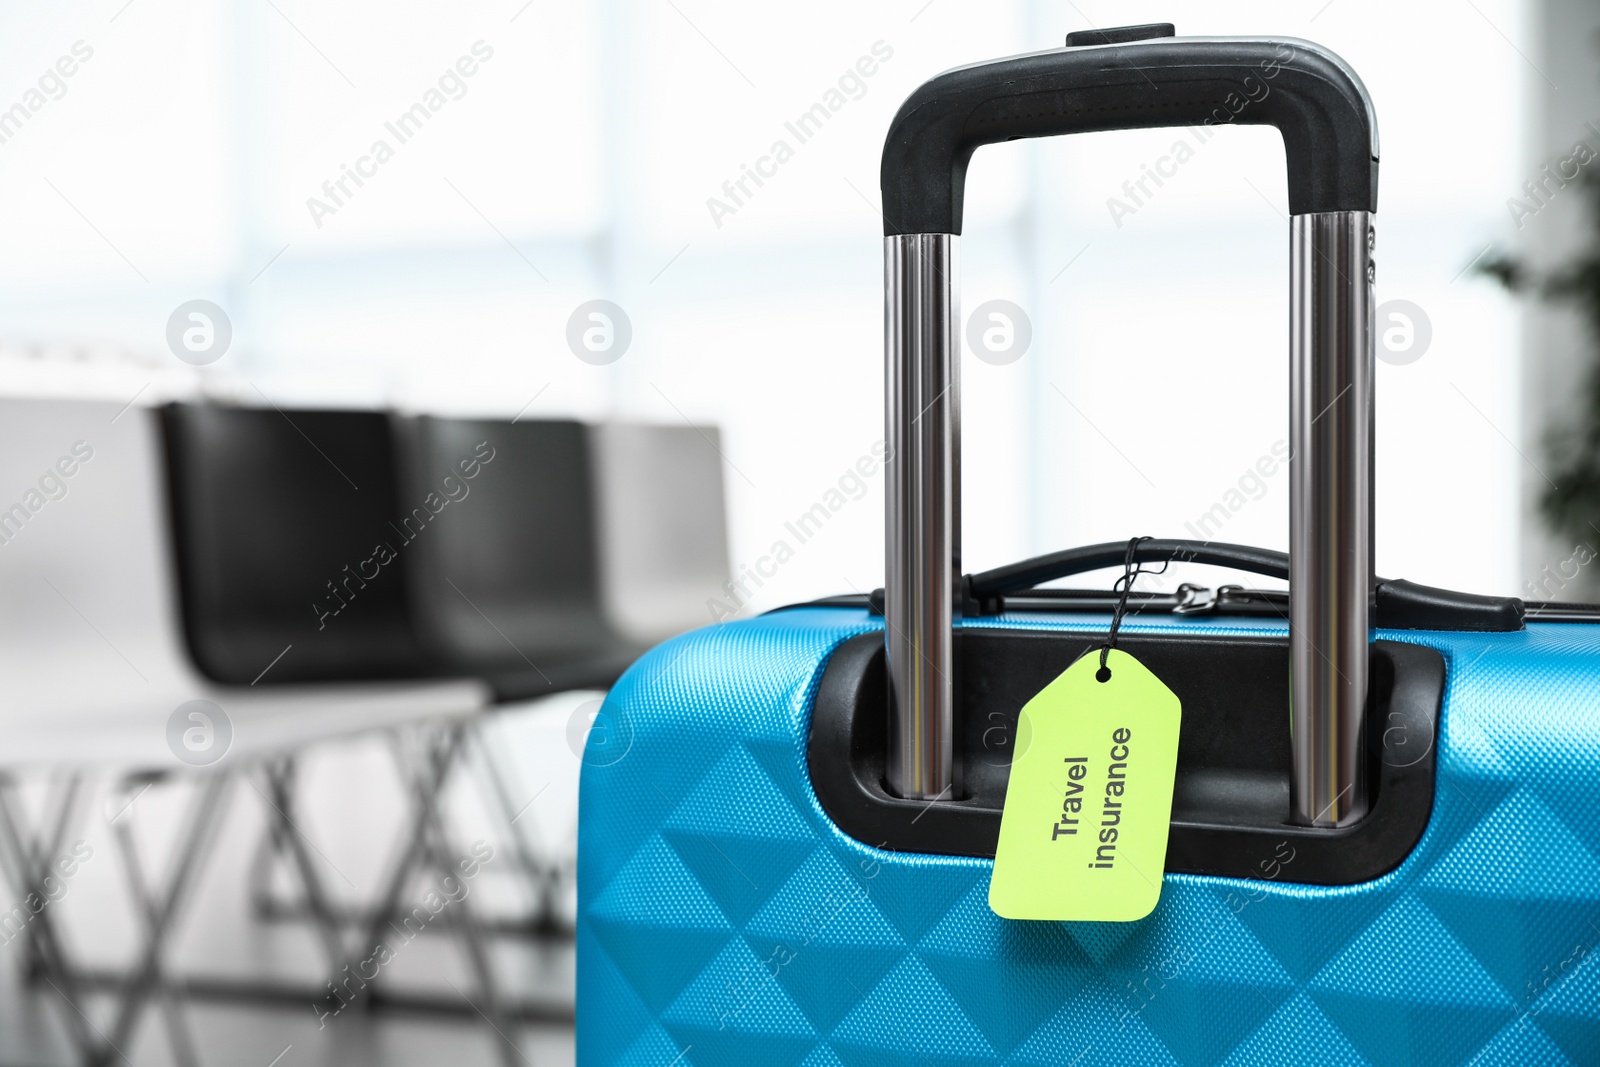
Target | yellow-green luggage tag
(1084,832)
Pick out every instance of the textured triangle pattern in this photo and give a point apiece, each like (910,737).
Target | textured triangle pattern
(723,919)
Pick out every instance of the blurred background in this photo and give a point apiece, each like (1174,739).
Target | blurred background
(635,213)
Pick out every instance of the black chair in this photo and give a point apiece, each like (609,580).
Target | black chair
(505,579)
(342,545)
(306,531)
(291,544)
(288,548)
(346,545)
(504,560)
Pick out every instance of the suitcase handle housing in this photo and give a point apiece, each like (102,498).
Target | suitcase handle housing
(1330,141)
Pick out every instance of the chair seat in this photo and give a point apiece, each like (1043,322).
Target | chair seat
(125,728)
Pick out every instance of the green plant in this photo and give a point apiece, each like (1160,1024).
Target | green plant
(1570,502)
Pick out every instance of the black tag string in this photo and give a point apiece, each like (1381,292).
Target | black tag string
(1124,586)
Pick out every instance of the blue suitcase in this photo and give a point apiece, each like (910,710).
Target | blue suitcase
(787,825)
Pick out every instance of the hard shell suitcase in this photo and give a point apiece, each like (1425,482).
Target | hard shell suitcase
(787,825)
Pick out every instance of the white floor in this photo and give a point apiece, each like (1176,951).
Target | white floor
(351,809)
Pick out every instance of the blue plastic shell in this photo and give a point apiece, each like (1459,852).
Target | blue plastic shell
(723,919)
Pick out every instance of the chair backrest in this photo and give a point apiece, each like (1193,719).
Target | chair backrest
(507,571)
(87,614)
(290,534)
(664,526)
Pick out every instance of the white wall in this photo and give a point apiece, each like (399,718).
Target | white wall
(578,165)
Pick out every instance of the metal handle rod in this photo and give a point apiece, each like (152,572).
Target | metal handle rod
(923,526)
(1330,515)
(1330,512)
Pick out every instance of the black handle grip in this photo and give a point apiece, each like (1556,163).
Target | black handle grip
(1316,102)
(1040,569)
(1400,605)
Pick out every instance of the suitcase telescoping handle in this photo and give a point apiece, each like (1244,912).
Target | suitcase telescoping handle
(1133,78)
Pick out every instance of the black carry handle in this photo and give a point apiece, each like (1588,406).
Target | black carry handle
(1017,577)
(1399,604)
(1316,102)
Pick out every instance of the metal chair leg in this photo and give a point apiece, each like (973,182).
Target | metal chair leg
(25,859)
(158,913)
(280,786)
(272,846)
(472,938)
(539,873)
(48,843)
(426,845)
(438,760)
